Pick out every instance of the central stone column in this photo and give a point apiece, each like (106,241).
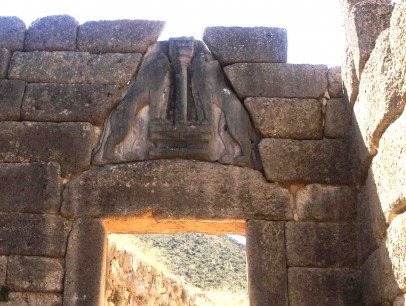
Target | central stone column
(181,53)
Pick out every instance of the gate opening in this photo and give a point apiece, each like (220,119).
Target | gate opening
(190,263)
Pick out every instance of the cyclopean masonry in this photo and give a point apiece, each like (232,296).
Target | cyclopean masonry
(105,130)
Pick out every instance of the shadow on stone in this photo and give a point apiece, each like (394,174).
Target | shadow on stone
(380,231)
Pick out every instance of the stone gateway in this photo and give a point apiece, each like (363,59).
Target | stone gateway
(104,129)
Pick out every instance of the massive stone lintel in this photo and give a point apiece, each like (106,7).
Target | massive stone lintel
(179,106)
(176,189)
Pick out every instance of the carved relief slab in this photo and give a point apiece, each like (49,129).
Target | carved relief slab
(179,106)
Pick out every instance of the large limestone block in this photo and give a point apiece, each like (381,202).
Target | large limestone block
(316,202)
(3,270)
(347,5)
(400,300)
(305,161)
(34,299)
(112,68)
(34,188)
(176,189)
(360,154)
(338,118)
(12,33)
(74,67)
(383,273)
(232,45)
(11,97)
(381,98)
(371,223)
(52,67)
(278,80)
(266,258)
(335,83)
(69,102)
(86,264)
(315,286)
(310,244)
(349,77)
(388,169)
(33,234)
(286,118)
(366,21)
(396,246)
(69,144)
(398,34)
(35,274)
(5,57)
(52,33)
(118,36)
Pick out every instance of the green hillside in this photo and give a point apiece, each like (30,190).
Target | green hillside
(205,261)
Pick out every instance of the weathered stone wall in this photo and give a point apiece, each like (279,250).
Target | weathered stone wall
(374,76)
(60,81)
(132,280)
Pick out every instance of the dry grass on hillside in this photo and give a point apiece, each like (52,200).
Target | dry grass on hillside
(213,266)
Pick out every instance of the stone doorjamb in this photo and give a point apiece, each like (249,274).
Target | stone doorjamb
(172,196)
(86,259)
